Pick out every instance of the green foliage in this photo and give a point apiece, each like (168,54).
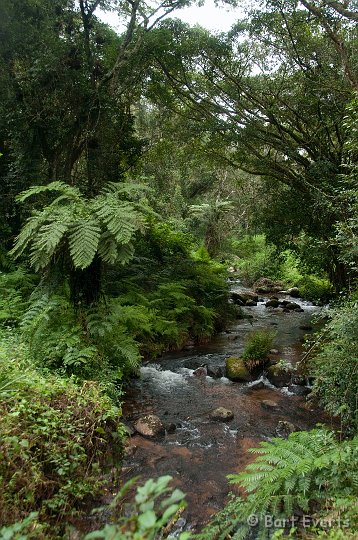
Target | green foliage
(81,227)
(54,436)
(310,472)
(315,288)
(92,344)
(155,504)
(26,529)
(15,289)
(334,364)
(258,345)
(255,258)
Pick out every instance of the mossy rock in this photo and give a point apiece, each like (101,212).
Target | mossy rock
(236,370)
(278,376)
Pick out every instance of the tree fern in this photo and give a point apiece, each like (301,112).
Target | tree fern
(105,225)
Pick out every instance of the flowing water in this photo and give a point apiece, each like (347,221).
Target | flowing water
(201,452)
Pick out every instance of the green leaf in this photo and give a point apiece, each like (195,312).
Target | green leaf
(147,520)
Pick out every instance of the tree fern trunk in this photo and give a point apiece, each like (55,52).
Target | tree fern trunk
(85,285)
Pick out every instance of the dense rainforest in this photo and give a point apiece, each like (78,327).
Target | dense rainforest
(143,171)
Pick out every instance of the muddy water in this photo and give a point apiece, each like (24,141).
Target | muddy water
(201,452)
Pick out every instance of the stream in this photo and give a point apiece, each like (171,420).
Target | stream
(201,452)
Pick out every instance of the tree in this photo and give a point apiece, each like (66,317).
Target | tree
(274,92)
(76,234)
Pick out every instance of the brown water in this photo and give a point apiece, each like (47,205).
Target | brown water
(201,452)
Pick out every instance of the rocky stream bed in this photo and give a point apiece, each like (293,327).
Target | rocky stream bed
(194,447)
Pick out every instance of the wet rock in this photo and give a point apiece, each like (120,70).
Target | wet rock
(222,415)
(272,303)
(250,303)
(301,380)
(284,303)
(149,426)
(170,428)
(284,429)
(129,450)
(299,390)
(306,327)
(236,370)
(267,286)
(249,296)
(236,298)
(274,351)
(216,372)
(201,371)
(269,404)
(244,298)
(192,363)
(299,310)
(256,385)
(294,292)
(292,305)
(232,337)
(278,376)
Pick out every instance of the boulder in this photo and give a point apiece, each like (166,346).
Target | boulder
(294,292)
(284,429)
(216,372)
(149,426)
(222,415)
(272,303)
(236,298)
(269,404)
(192,363)
(250,303)
(236,370)
(256,385)
(249,296)
(201,371)
(242,298)
(267,286)
(292,305)
(278,376)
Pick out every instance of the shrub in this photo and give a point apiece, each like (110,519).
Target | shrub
(335,365)
(54,435)
(15,290)
(315,288)
(258,345)
(256,258)
(154,506)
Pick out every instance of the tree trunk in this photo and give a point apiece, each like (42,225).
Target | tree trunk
(85,285)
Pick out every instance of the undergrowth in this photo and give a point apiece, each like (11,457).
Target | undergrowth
(300,483)
(55,437)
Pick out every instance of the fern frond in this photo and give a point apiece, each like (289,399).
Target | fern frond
(65,189)
(83,241)
(107,248)
(24,239)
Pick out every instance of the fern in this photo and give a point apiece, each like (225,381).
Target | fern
(66,191)
(106,225)
(83,240)
(308,470)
